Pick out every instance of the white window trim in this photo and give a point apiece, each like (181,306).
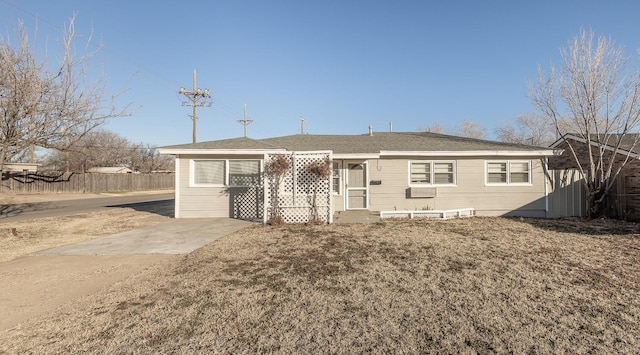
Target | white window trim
(192,174)
(432,173)
(508,183)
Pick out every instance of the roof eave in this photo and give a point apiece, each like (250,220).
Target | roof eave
(474,153)
(201,151)
(594,144)
(356,155)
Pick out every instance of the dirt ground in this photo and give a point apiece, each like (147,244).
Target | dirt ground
(64,278)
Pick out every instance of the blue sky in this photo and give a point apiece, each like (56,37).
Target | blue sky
(343,65)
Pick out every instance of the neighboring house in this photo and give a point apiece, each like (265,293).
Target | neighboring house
(110,170)
(624,197)
(373,172)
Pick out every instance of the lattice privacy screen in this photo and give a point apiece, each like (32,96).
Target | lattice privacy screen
(302,196)
(248,203)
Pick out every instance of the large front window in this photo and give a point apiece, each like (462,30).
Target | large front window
(432,173)
(210,172)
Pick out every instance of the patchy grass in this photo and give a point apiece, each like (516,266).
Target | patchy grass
(480,285)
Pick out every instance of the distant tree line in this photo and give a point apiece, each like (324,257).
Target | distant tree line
(100,148)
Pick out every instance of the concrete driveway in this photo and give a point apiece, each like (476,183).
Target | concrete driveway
(178,236)
(43,281)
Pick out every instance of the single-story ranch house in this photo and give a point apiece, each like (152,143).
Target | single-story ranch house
(379,172)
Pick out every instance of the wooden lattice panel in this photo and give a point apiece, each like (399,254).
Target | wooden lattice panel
(299,189)
(248,203)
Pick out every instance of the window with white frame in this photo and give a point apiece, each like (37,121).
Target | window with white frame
(335,178)
(509,172)
(244,172)
(420,172)
(208,172)
(432,172)
(443,173)
(237,173)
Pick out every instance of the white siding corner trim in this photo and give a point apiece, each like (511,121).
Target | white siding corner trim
(176,193)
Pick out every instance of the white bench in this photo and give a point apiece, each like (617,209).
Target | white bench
(442,214)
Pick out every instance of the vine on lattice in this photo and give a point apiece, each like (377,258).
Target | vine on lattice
(276,168)
(321,170)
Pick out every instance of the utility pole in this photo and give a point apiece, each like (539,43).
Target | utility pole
(245,122)
(302,121)
(196,99)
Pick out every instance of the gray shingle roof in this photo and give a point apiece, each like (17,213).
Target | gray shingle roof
(390,141)
(353,144)
(628,142)
(225,144)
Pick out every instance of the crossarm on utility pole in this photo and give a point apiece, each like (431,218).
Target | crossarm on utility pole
(196,98)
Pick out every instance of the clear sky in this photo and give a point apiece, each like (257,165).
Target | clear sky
(343,65)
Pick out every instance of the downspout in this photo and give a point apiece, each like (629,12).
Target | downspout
(177,191)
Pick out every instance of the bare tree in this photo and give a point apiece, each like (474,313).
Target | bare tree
(529,129)
(146,159)
(50,108)
(470,129)
(434,128)
(465,128)
(597,93)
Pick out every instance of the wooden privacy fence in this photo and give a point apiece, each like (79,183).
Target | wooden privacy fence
(84,183)
(623,200)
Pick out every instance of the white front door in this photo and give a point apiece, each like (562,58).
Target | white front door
(357,188)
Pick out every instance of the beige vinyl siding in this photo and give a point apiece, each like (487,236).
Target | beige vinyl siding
(470,189)
(203,202)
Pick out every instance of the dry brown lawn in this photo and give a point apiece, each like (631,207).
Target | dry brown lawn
(481,285)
